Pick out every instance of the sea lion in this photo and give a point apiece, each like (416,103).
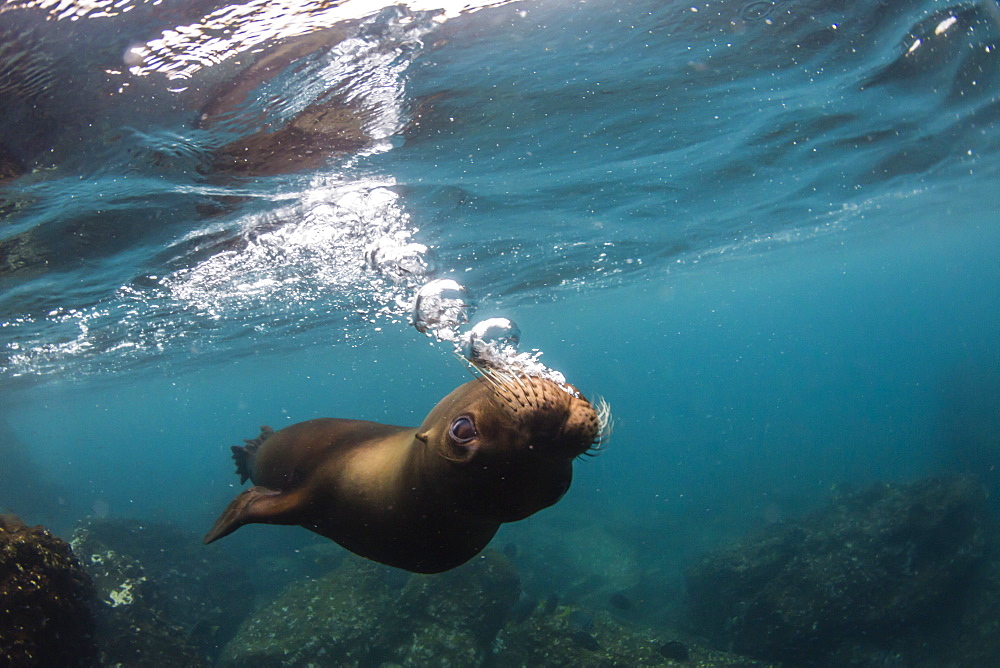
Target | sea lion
(496,449)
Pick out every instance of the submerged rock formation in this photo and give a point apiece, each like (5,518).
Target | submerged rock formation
(45,596)
(366,614)
(873,569)
(10,167)
(567,637)
(162,600)
(341,618)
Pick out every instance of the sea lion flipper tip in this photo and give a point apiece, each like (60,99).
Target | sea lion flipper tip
(257,504)
(228,521)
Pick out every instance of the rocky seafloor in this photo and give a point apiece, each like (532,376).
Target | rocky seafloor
(889,575)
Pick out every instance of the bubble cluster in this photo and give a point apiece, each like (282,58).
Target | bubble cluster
(443,307)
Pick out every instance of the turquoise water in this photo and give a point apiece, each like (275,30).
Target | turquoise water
(766,233)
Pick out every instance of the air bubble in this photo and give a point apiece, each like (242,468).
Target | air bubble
(401,263)
(492,340)
(441,307)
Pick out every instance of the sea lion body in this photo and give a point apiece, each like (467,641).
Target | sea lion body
(495,450)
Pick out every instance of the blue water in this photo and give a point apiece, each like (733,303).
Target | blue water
(765,233)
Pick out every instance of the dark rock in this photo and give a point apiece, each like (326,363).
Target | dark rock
(873,566)
(620,601)
(45,597)
(675,650)
(585,640)
(10,167)
(164,599)
(133,629)
(525,606)
(581,620)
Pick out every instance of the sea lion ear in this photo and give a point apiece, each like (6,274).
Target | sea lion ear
(423,436)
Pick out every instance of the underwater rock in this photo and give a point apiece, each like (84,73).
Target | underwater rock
(675,650)
(574,637)
(367,614)
(349,617)
(620,601)
(973,639)
(584,565)
(133,630)
(457,614)
(163,601)
(873,566)
(364,614)
(10,167)
(45,618)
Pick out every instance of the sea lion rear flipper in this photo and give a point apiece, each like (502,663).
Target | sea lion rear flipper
(257,504)
(243,455)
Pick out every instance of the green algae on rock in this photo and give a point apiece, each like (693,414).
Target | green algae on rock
(45,618)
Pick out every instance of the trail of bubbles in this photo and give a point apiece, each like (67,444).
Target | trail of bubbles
(443,307)
(344,243)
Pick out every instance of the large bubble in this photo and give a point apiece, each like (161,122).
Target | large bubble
(441,308)
(491,341)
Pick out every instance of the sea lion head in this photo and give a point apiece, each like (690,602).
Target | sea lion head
(505,443)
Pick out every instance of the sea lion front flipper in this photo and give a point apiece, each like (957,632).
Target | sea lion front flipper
(257,504)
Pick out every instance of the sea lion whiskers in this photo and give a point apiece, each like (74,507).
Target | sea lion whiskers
(480,373)
(605,420)
(605,425)
(500,382)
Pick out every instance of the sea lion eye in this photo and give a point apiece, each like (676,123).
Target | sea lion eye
(462,430)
